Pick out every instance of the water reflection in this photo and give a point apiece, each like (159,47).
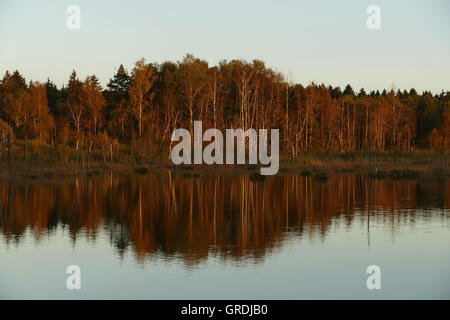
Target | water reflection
(230,217)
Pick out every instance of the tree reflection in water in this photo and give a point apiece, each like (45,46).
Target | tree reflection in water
(227,216)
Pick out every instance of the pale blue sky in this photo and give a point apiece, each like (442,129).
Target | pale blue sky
(322,41)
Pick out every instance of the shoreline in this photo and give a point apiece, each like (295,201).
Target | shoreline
(424,166)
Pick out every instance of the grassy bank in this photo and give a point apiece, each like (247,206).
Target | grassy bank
(320,165)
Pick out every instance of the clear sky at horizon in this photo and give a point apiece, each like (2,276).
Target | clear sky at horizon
(321,41)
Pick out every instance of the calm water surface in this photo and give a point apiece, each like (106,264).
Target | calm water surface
(167,236)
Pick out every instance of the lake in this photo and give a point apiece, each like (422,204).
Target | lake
(169,235)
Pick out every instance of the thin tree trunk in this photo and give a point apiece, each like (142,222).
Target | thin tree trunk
(9,148)
(2,142)
(104,156)
(76,157)
(89,155)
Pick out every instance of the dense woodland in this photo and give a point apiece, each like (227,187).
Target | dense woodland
(134,116)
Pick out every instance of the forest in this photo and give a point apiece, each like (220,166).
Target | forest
(133,117)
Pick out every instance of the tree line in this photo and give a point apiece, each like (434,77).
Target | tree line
(138,110)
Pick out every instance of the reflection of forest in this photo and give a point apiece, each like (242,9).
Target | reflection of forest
(231,217)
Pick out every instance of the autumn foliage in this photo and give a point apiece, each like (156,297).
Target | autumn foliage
(134,116)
